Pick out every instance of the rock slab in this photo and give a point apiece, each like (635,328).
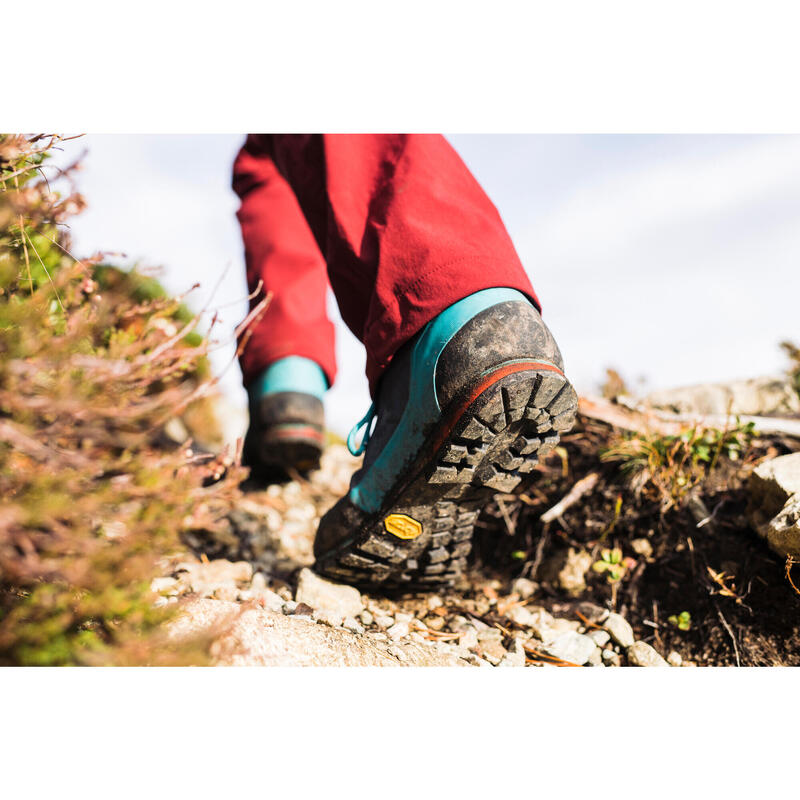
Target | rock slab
(258,637)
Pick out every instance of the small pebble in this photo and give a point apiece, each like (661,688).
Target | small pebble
(351,624)
(366,618)
(596,658)
(490,635)
(434,623)
(641,654)
(524,588)
(227,592)
(620,630)
(674,659)
(303,610)
(600,638)
(515,657)
(259,582)
(593,613)
(642,547)
(397,631)
(571,646)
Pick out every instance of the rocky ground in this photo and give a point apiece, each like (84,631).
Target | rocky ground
(687,563)
(273,609)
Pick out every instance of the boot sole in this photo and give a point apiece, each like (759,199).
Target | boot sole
(288,447)
(488,441)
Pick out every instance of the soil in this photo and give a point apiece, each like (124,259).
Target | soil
(751,619)
(698,584)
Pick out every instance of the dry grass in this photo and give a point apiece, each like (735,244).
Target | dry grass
(93,363)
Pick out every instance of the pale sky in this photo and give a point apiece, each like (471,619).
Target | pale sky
(675,259)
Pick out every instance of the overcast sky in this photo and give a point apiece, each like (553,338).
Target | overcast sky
(675,259)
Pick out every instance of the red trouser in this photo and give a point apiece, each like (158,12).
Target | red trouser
(399,222)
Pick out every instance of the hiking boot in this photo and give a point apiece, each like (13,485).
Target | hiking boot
(465,410)
(287,420)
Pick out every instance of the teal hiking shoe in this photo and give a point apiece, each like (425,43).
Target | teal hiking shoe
(287,420)
(464,411)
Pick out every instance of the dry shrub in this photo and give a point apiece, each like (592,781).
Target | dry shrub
(93,363)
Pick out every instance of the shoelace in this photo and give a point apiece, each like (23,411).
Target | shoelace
(351,437)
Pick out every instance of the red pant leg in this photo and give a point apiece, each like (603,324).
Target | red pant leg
(280,251)
(404,226)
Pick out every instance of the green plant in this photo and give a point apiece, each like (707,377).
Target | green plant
(682,621)
(612,564)
(670,466)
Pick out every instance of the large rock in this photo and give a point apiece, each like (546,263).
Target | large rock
(783,531)
(333,600)
(756,396)
(774,508)
(258,637)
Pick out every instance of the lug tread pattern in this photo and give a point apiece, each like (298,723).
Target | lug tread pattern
(501,437)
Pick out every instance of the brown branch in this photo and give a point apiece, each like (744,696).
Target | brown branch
(582,487)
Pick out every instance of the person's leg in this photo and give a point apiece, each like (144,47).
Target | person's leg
(405,228)
(468,382)
(287,356)
(281,255)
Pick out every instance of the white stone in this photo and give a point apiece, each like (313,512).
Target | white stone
(268,599)
(600,638)
(469,638)
(641,654)
(642,547)
(524,588)
(620,630)
(571,646)
(515,657)
(537,619)
(351,624)
(397,631)
(332,599)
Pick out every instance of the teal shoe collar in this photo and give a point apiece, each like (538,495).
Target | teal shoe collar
(422,409)
(290,374)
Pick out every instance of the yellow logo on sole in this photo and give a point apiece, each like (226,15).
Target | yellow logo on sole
(402,526)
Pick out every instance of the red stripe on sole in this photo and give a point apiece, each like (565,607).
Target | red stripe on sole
(296,432)
(485,382)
